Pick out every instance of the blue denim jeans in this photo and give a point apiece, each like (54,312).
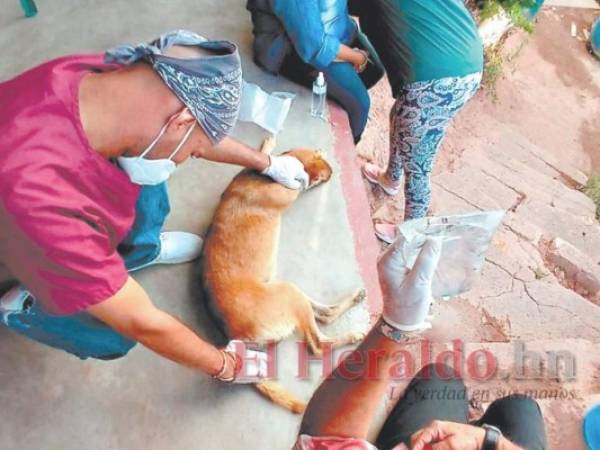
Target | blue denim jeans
(142,245)
(344,85)
(81,334)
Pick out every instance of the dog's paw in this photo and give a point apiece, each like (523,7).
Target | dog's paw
(360,296)
(356,336)
(329,310)
(268,145)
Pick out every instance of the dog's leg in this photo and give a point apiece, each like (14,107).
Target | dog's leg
(283,307)
(307,324)
(329,313)
(268,145)
(316,339)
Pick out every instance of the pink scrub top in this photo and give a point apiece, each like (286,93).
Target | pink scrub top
(63,207)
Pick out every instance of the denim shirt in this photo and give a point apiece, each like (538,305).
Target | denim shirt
(316,28)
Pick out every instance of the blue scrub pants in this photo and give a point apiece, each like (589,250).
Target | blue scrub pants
(82,334)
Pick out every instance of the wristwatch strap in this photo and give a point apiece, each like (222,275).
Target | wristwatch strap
(492,437)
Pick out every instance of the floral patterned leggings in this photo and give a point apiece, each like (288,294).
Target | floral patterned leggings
(418,123)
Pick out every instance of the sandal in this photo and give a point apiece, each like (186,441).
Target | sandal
(376,175)
(386,232)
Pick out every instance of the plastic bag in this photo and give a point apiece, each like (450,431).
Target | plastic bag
(268,111)
(465,240)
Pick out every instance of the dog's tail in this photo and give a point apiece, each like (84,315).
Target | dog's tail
(278,395)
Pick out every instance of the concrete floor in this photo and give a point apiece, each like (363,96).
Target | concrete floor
(50,400)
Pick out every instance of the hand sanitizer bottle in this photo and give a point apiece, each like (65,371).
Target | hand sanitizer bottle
(319,96)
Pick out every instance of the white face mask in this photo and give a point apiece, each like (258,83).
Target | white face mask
(152,171)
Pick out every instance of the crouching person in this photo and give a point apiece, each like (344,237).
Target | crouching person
(86,145)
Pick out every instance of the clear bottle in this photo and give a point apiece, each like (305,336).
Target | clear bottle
(319,96)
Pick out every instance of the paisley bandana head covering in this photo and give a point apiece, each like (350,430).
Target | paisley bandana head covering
(209,85)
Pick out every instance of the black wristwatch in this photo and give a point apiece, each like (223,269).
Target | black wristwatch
(492,437)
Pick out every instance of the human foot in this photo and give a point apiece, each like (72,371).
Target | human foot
(376,175)
(386,232)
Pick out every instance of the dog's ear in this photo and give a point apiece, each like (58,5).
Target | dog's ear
(320,153)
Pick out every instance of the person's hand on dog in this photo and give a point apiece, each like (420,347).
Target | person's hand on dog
(288,171)
(243,365)
(407,293)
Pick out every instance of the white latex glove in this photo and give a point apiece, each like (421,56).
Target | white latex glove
(254,363)
(407,293)
(288,171)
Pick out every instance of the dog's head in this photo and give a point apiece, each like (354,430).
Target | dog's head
(319,170)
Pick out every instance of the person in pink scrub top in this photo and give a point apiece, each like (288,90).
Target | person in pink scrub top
(86,145)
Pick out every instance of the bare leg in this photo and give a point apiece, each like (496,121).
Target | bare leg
(344,406)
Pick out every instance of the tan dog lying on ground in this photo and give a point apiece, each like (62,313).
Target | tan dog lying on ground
(240,252)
